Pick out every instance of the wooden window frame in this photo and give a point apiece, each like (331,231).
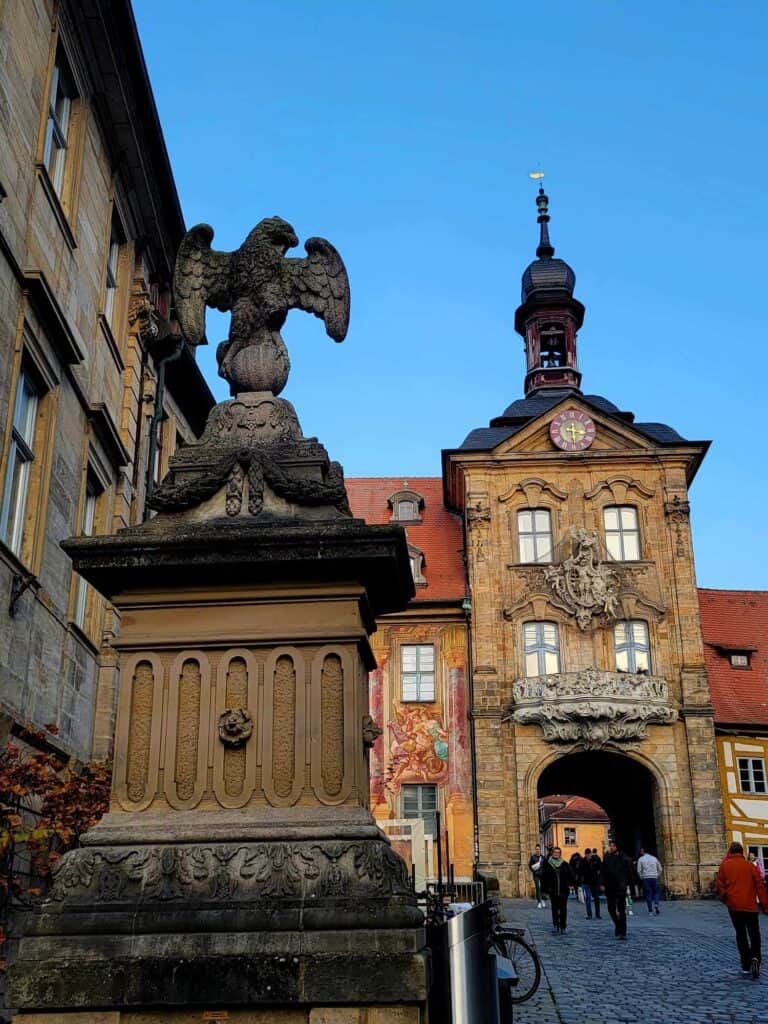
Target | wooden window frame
(621,533)
(420,686)
(541,648)
(534,534)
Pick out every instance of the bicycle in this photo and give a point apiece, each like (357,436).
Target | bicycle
(510,943)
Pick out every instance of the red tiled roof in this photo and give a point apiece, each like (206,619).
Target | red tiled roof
(576,808)
(732,621)
(438,535)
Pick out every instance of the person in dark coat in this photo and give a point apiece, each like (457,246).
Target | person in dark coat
(593,873)
(556,882)
(575,865)
(536,867)
(615,880)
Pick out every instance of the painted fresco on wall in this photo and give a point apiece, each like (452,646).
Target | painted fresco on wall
(376,762)
(458,782)
(419,746)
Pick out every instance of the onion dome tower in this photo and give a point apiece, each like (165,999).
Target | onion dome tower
(549,316)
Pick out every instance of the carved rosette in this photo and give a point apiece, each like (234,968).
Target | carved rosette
(235,726)
(592,707)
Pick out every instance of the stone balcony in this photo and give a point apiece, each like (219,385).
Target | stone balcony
(592,707)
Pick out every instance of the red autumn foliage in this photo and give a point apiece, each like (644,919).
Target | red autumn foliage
(46,803)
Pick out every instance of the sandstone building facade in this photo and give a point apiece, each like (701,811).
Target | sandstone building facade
(586,667)
(94,386)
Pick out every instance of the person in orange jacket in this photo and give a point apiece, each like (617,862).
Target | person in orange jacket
(741,889)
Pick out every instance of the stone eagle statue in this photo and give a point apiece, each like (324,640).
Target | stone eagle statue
(259,285)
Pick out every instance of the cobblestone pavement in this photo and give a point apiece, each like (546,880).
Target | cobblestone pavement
(678,968)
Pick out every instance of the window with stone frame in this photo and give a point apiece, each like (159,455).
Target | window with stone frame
(417,672)
(631,646)
(406,505)
(534,535)
(420,801)
(57,143)
(569,835)
(112,276)
(541,648)
(83,592)
(622,532)
(752,774)
(21,456)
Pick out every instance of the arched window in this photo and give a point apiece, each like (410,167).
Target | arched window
(622,534)
(541,645)
(406,505)
(631,646)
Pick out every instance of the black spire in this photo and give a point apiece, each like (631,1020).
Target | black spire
(545,250)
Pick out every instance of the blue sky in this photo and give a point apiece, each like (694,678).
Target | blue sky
(403,131)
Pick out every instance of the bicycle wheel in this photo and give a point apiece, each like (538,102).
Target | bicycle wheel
(526,963)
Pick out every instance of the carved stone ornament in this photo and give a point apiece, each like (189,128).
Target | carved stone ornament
(371,731)
(592,707)
(142,313)
(678,512)
(259,285)
(249,441)
(237,872)
(235,727)
(587,588)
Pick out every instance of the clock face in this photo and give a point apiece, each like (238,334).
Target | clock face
(572,430)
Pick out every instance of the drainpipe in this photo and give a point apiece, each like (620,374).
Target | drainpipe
(158,416)
(466,607)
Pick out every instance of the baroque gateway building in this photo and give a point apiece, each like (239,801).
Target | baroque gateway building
(568,603)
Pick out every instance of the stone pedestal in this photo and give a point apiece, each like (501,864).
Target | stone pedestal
(239,867)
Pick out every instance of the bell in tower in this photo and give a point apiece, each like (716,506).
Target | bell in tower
(549,316)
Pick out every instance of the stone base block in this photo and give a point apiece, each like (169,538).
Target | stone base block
(312,1015)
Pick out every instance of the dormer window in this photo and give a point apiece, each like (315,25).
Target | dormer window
(416,557)
(740,660)
(406,505)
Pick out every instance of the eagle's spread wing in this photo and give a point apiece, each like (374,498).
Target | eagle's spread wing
(319,285)
(201,278)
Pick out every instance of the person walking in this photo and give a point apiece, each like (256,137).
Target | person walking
(556,882)
(754,859)
(583,881)
(615,880)
(593,873)
(741,889)
(574,863)
(649,870)
(536,867)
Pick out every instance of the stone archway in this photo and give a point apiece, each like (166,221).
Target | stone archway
(624,787)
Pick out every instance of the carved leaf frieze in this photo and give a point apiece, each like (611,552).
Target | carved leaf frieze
(257,871)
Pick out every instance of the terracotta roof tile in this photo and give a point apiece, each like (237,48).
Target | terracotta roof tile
(573,808)
(733,620)
(438,535)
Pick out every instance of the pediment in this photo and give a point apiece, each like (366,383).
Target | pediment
(610,435)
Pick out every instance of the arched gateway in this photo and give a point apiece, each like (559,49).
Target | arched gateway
(625,789)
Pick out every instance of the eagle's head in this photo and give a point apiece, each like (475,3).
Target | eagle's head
(278,233)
